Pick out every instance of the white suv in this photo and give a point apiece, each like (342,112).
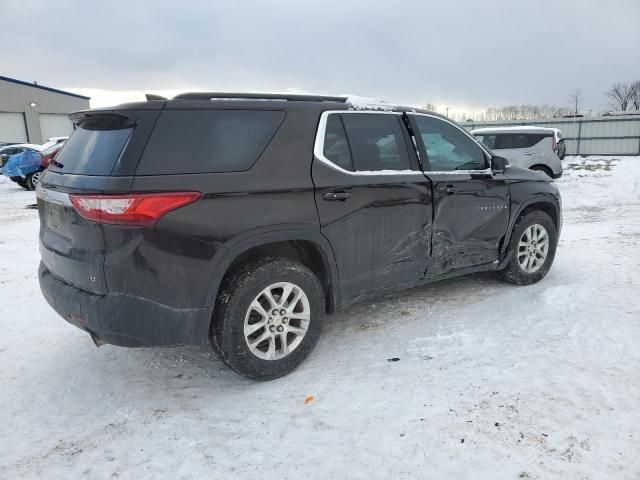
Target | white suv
(535,148)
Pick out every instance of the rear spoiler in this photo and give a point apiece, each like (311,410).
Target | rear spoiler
(127,120)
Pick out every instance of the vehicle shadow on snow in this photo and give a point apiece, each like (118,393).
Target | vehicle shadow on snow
(451,292)
(157,374)
(189,366)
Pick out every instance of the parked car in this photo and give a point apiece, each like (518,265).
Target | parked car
(29,174)
(50,153)
(560,147)
(534,148)
(53,141)
(24,168)
(11,150)
(240,220)
(8,150)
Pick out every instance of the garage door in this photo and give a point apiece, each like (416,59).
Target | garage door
(12,128)
(55,125)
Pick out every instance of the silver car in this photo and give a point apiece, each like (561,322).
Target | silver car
(535,148)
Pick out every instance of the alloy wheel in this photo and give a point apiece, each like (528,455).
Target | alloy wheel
(533,248)
(277,321)
(35,179)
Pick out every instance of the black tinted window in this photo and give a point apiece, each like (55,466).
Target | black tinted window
(448,147)
(202,141)
(336,147)
(94,147)
(376,141)
(518,140)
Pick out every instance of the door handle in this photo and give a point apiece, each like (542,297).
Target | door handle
(527,153)
(446,189)
(339,196)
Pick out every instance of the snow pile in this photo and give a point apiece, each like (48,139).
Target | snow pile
(364,103)
(592,166)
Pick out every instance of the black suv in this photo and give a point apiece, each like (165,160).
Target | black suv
(239,220)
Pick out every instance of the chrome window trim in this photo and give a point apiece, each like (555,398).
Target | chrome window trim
(318,146)
(458,172)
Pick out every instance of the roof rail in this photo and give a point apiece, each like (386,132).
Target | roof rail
(291,97)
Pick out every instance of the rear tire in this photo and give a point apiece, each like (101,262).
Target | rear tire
(243,306)
(546,170)
(526,247)
(32,180)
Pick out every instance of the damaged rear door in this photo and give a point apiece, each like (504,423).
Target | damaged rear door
(374,202)
(470,203)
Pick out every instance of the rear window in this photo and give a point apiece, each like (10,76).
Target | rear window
(95,146)
(208,141)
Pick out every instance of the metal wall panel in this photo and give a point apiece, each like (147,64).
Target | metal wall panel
(55,125)
(32,101)
(619,135)
(12,128)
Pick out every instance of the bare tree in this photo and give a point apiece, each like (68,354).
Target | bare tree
(635,95)
(524,112)
(430,106)
(620,95)
(576,99)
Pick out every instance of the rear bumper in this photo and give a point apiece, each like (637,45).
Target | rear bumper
(556,175)
(124,320)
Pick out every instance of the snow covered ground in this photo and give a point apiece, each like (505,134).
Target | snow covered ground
(493,381)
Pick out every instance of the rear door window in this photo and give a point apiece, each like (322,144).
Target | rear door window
(95,146)
(376,142)
(208,141)
(336,146)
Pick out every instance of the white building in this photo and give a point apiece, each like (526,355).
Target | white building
(31,113)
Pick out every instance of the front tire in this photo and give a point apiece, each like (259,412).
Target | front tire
(268,318)
(532,247)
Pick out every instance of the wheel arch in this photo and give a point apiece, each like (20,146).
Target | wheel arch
(549,205)
(541,166)
(309,247)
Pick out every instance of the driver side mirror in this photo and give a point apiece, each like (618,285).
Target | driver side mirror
(499,164)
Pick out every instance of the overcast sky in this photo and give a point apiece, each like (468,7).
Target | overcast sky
(462,54)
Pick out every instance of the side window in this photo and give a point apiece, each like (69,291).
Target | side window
(336,147)
(206,141)
(448,147)
(488,141)
(518,140)
(376,142)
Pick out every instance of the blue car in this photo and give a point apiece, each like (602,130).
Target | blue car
(24,168)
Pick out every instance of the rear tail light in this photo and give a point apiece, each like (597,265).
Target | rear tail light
(554,143)
(143,209)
